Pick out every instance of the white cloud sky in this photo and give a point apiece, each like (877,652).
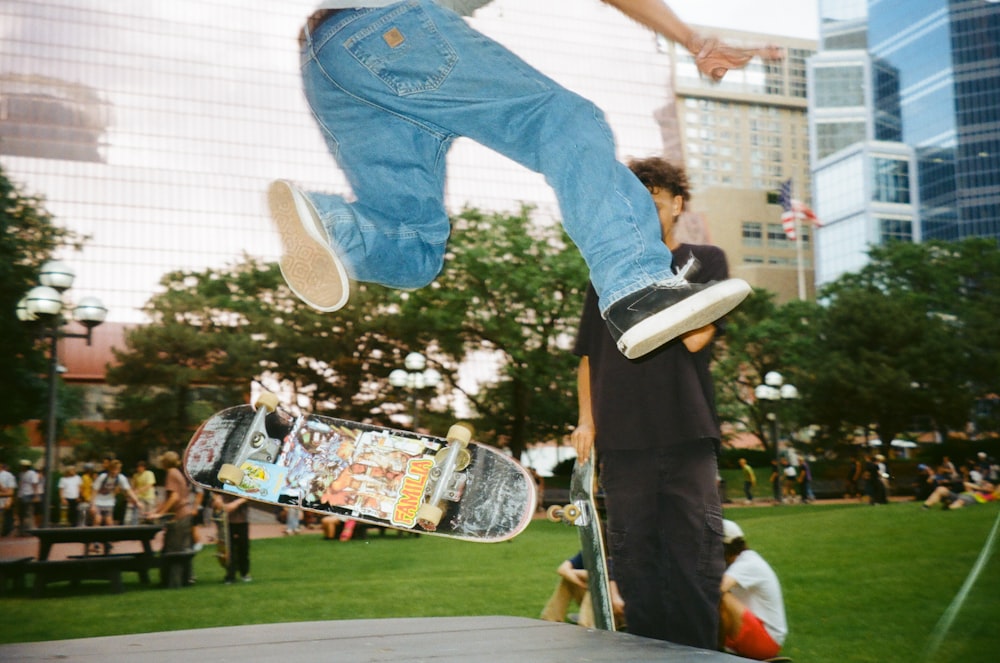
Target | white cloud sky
(793,18)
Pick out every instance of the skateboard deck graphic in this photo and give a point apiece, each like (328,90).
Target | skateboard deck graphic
(375,475)
(582,512)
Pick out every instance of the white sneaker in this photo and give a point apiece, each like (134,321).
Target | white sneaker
(309,264)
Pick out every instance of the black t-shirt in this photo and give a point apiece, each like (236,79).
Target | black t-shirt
(666,397)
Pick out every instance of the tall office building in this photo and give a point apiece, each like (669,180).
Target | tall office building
(946,58)
(904,125)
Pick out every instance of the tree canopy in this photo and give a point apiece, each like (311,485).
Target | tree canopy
(28,237)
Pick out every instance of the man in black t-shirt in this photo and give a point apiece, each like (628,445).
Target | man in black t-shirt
(654,424)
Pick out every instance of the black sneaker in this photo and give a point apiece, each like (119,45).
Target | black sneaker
(309,264)
(653,316)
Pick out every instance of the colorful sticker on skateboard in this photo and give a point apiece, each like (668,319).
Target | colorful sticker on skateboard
(373,474)
(260,480)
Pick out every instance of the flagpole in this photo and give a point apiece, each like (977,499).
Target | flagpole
(798,258)
(800,267)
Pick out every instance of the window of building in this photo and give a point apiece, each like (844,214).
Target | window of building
(753,233)
(892,180)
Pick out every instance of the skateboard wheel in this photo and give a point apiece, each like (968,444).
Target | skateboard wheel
(462,460)
(461,434)
(230,474)
(554,513)
(571,512)
(266,400)
(429,515)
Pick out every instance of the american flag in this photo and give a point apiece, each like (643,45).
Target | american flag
(793,208)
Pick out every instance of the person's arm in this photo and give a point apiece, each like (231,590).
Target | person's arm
(712,57)
(577,577)
(229,507)
(585,431)
(166,505)
(728,582)
(698,340)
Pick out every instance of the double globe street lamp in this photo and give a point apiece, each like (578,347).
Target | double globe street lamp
(45,308)
(773,390)
(414,377)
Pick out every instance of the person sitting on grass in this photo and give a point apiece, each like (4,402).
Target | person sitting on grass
(752,610)
(573,587)
(974,493)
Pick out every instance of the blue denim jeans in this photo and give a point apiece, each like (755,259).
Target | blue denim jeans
(392,87)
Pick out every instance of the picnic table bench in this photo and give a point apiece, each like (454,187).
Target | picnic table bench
(90,566)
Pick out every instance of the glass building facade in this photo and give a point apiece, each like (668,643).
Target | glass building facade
(947,54)
(916,73)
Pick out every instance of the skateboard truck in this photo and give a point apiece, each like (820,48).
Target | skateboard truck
(576,513)
(453,458)
(255,442)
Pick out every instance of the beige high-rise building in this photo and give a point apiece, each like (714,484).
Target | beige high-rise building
(740,140)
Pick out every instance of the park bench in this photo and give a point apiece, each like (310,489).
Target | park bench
(13,570)
(77,569)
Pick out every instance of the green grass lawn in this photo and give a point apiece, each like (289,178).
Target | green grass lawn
(861,583)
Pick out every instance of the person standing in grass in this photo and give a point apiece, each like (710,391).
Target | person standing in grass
(656,431)
(144,485)
(237,510)
(749,480)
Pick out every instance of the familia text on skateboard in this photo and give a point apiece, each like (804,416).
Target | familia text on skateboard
(381,476)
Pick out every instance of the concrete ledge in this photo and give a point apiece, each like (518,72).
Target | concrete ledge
(486,639)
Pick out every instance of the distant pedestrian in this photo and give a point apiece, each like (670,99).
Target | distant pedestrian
(238,512)
(749,480)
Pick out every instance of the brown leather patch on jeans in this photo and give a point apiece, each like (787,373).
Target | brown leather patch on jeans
(394,37)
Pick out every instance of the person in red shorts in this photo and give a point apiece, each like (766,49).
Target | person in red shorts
(752,611)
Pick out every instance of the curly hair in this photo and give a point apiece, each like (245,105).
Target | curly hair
(658,173)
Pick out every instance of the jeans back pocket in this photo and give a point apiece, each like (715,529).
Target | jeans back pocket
(405,50)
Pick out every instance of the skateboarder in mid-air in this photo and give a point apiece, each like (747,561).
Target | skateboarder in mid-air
(392,84)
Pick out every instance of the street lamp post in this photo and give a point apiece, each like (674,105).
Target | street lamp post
(414,377)
(773,390)
(44,306)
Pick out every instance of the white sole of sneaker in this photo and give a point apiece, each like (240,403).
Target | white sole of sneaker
(309,266)
(687,315)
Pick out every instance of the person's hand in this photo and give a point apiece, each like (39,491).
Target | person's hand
(715,58)
(583,441)
(576,577)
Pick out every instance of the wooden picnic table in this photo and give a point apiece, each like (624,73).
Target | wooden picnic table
(49,536)
(96,566)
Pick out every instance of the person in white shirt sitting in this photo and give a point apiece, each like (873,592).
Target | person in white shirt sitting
(752,611)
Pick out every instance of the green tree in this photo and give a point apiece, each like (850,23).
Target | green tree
(761,336)
(28,237)
(922,319)
(512,289)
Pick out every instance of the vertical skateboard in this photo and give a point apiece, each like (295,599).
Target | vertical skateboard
(582,512)
(449,487)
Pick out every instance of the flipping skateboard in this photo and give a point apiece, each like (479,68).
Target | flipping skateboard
(381,476)
(582,512)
